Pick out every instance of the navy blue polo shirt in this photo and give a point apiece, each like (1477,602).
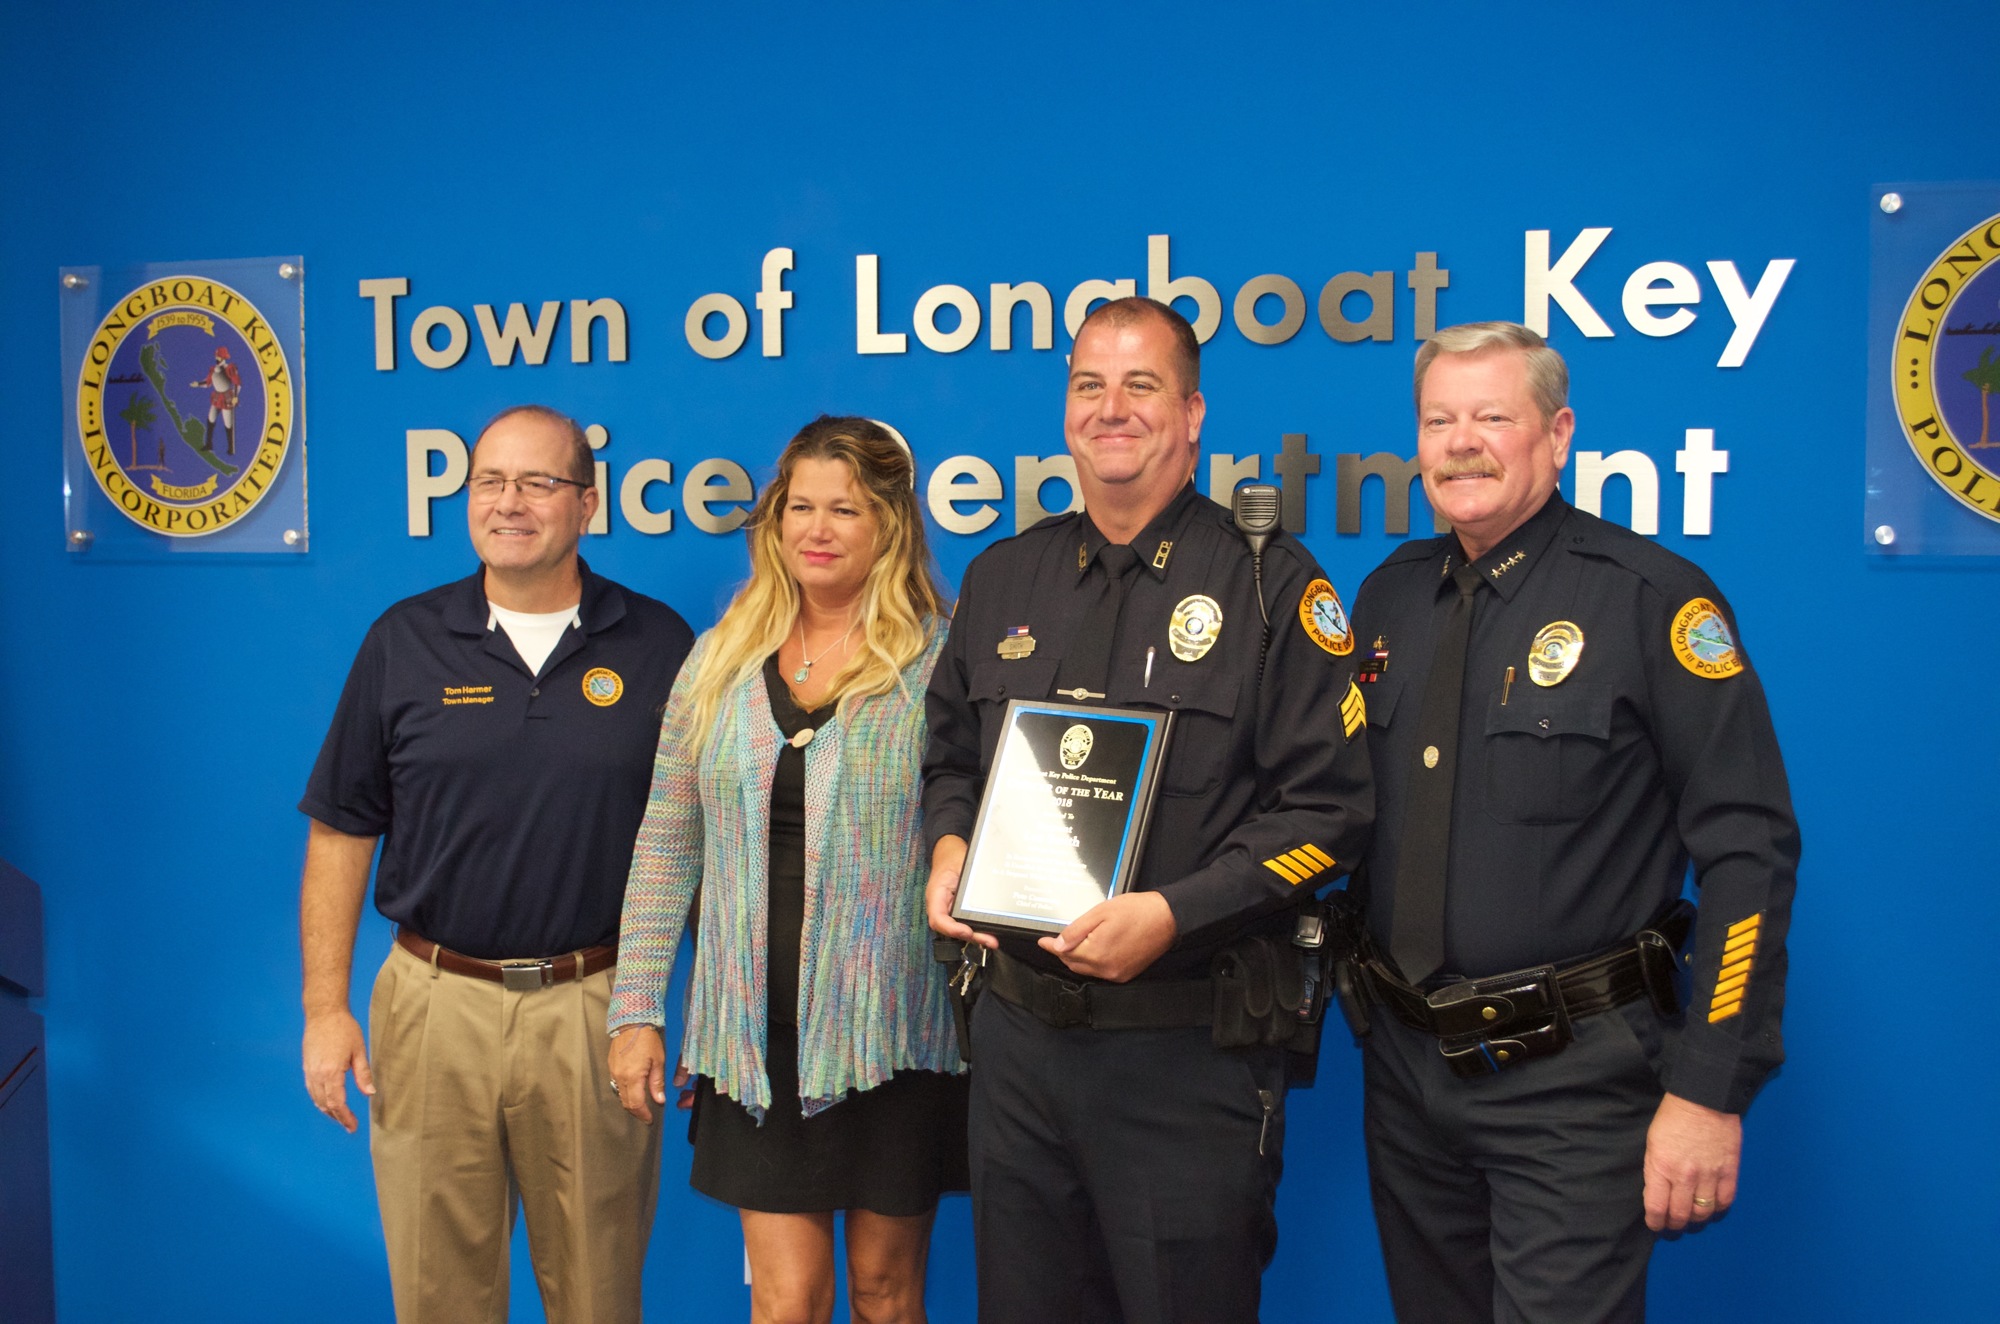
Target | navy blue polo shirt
(506,801)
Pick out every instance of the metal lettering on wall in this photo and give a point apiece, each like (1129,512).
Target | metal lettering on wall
(184,398)
(1656,301)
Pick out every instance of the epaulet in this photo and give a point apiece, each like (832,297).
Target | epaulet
(1049,521)
(1670,573)
(1417,549)
(1044,523)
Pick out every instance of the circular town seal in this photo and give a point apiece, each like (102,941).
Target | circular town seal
(185,406)
(1946,364)
(603,687)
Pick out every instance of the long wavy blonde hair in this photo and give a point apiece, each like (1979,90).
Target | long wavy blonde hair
(901,604)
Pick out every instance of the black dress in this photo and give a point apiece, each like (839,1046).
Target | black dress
(892,1149)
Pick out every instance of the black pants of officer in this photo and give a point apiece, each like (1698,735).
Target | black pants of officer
(1516,1196)
(1117,1174)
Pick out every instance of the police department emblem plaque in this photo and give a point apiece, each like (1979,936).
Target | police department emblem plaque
(1946,368)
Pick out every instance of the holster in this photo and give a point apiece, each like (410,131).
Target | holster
(1260,993)
(1272,991)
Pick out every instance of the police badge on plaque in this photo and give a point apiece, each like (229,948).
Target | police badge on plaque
(1063,821)
(183,396)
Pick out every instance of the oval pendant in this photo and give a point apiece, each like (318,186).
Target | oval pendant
(799,676)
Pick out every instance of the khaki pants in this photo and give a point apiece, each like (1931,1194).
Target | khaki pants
(486,1097)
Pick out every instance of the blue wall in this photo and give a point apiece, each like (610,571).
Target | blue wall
(158,720)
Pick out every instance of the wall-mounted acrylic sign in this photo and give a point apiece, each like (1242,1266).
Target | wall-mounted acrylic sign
(1933,476)
(184,408)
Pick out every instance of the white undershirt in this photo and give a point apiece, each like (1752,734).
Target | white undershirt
(535,634)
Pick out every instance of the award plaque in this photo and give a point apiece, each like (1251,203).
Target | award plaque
(1064,817)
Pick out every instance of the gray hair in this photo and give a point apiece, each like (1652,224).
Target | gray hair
(1548,375)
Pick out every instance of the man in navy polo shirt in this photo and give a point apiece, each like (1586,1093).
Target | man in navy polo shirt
(496,737)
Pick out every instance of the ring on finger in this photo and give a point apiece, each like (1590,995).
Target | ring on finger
(1704,1202)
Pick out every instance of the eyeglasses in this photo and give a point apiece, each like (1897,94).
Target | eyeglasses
(532,487)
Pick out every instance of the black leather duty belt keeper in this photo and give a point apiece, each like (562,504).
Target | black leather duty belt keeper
(1065,1004)
(1484,1026)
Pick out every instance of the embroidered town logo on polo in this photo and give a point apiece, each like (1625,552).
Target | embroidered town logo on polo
(1946,366)
(602,686)
(185,404)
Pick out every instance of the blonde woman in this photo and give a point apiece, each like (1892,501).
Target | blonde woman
(786,797)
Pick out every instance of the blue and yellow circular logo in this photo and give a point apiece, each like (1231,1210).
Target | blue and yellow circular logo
(603,686)
(1947,369)
(1702,642)
(185,405)
(1325,620)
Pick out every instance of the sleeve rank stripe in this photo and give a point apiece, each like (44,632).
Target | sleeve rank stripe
(1741,949)
(1724,987)
(1325,860)
(1285,871)
(1743,926)
(1304,863)
(1723,1011)
(1736,968)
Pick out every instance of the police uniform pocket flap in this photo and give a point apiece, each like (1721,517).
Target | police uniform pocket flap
(997,680)
(1576,708)
(1380,700)
(1210,691)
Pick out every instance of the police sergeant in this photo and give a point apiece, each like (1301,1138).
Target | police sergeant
(1562,720)
(496,737)
(1123,1165)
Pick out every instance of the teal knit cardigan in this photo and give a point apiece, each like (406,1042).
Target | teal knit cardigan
(872,1001)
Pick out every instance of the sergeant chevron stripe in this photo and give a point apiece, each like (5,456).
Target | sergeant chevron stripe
(1353,710)
(1739,953)
(1295,866)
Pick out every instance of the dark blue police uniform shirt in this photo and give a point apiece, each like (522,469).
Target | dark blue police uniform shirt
(1579,805)
(1265,796)
(506,802)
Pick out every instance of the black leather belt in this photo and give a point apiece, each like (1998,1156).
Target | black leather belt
(1064,1003)
(1485,1025)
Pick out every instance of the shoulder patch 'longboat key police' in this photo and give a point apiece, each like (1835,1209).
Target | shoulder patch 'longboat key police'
(1325,620)
(1702,642)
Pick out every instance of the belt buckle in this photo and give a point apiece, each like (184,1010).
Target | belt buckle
(1072,1005)
(529,977)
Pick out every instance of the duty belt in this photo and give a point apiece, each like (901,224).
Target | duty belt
(1064,1003)
(518,976)
(1486,1025)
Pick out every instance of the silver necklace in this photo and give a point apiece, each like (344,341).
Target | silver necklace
(800,676)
